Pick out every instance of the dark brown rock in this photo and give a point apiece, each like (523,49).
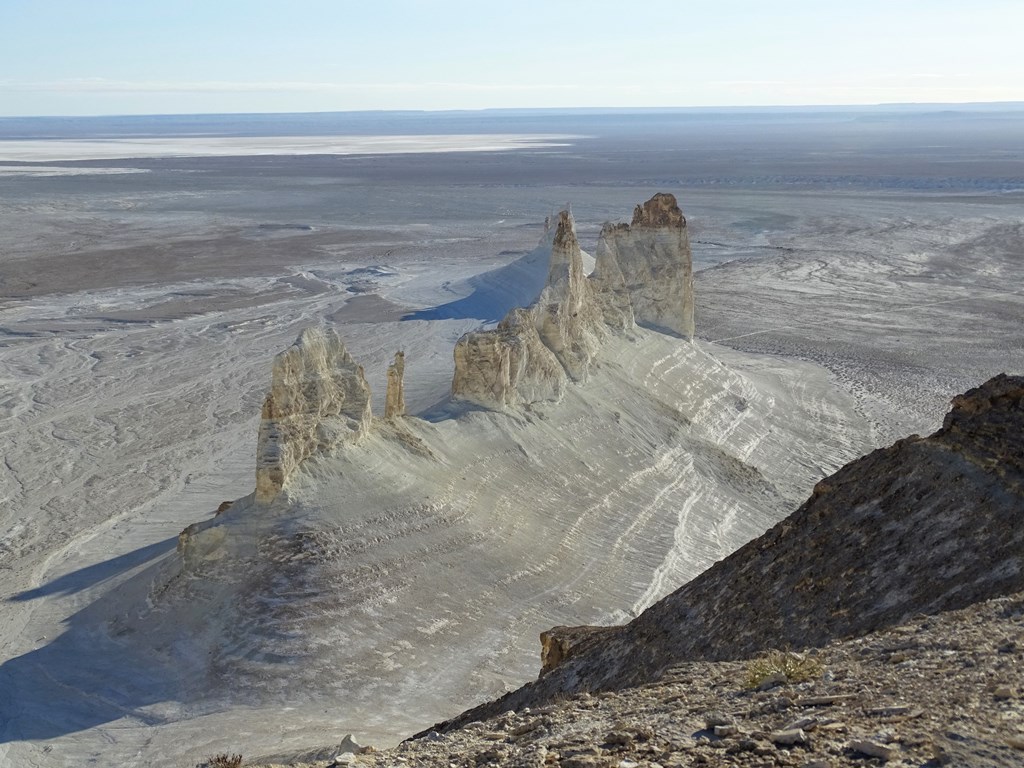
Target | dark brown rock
(662,210)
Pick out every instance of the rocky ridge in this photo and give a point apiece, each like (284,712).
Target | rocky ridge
(643,273)
(926,525)
(319,397)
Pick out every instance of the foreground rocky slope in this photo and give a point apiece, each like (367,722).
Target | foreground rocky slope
(926,525)
(937,690)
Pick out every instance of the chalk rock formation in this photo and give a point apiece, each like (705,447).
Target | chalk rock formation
(394,399)
(534,352)
(507,366)
(566,314)
(613,297)
(647,267)
(644,273)
(318,398)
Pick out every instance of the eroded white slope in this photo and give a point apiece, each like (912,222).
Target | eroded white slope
(408,575)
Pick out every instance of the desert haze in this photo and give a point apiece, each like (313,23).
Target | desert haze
(851,272)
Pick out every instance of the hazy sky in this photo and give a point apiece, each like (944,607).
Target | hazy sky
(75,57)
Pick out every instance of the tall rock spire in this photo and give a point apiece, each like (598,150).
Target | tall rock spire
(394,400)
(649,263)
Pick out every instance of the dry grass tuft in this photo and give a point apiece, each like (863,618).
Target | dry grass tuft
(222,761)
(782,666)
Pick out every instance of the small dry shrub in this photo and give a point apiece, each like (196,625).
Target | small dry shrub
(222,761)
(797,668)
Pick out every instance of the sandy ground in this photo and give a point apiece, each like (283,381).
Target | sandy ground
(904,301)
(138,317)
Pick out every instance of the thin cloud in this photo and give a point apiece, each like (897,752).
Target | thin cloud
(102,85)
(749,83)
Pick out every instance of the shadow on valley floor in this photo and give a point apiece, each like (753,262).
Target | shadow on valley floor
(83,578)
(496,292)
(485,304)
(85,677)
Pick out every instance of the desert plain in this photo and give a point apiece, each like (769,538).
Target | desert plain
(854,270)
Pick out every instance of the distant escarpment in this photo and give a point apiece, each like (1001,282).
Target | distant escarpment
(643,274)
(926,525)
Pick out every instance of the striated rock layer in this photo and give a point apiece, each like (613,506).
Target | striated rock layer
(417,564)
(648,264)
(318,398)
(926,525)
(644,273)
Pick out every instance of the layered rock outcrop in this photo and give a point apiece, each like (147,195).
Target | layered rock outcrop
(507,366)
(645,269)
(535,351)
(927,525)
(318,398)
(644,273)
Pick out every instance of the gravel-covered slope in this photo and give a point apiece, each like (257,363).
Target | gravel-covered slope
(938,690)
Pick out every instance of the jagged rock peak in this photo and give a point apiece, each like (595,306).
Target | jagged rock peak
(565,249)
(662,210)
(644,271)
(318,398)
(980,416)
(394,400)
(535,351)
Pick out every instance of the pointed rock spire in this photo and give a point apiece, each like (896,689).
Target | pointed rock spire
(394,401)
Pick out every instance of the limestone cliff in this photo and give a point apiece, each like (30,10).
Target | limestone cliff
(645,269)
(318,398)
(644,273)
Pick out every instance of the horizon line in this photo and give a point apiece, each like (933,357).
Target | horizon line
(1011,105)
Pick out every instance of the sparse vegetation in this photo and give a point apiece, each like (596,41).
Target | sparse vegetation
(221,761)
(795,667)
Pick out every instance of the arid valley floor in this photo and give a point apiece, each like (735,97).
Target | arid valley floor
(854,271)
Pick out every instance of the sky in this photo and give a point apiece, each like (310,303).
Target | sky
(101,57)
